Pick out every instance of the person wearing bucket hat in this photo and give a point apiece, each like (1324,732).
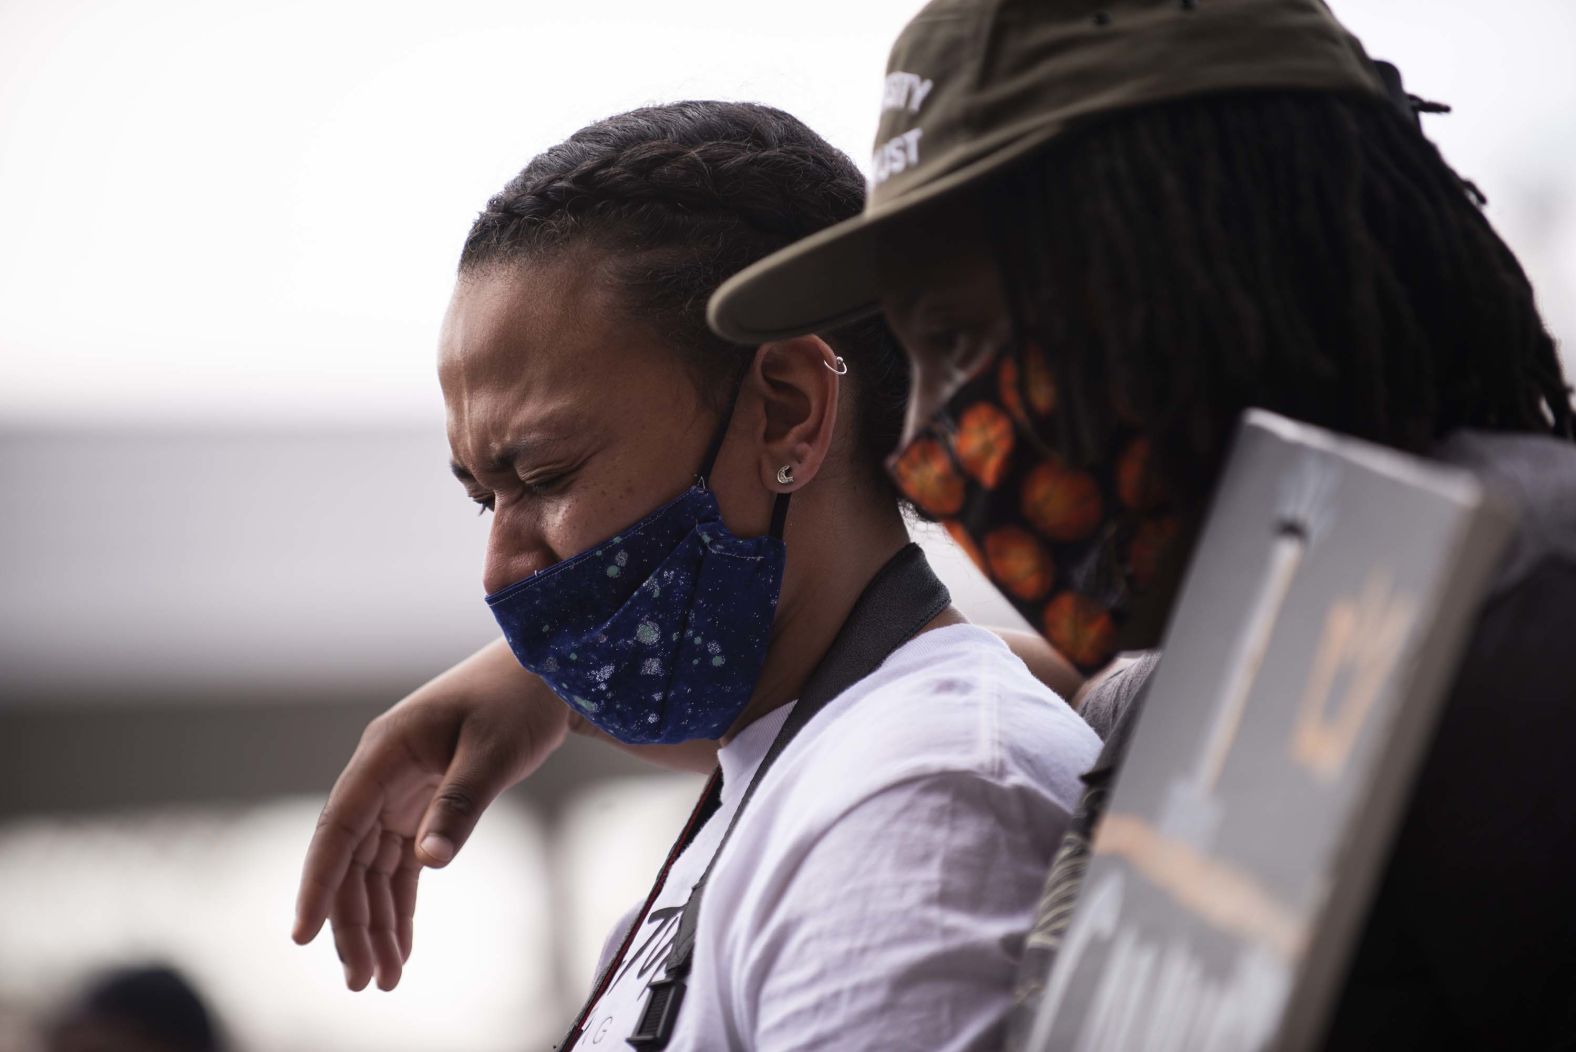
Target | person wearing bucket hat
(974,90)
(1102,230)
(975,86)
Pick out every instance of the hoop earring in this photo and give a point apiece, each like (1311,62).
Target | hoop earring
(841,368)
(785,474)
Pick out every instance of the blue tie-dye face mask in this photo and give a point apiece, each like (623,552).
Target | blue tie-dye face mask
(657,635)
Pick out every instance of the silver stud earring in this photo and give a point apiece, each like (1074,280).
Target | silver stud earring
(785,474)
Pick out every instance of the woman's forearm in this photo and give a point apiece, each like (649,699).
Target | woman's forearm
(492,674)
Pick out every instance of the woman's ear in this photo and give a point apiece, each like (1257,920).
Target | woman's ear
(798,381)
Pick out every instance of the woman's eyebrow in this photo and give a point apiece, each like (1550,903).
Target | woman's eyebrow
(504,460)
(501,462)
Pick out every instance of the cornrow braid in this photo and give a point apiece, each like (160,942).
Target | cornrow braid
(1308,253)
(676,199)
(762,187)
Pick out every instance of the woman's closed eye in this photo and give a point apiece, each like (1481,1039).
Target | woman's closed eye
(545,482)
(532,485)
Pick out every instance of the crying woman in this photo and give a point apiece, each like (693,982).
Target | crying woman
(697,541)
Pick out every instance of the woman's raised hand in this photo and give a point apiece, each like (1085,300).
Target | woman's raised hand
(420,778)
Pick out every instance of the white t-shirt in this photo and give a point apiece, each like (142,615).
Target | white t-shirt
(878,888)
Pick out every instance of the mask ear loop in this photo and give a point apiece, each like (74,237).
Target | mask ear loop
(779,515)
(703,476)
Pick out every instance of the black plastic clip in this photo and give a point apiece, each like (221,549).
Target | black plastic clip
(655,1028)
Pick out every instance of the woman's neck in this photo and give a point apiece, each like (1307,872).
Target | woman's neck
(828,569)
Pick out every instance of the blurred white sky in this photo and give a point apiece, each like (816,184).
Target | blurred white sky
(250,211)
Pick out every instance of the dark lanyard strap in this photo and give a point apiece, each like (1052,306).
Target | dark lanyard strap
(902,598)
(705,807)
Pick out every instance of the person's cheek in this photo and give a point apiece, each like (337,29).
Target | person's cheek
(925,396)
(922,406)
(938,379)
(581,517)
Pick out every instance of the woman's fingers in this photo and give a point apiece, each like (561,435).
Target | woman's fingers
(382,915)
(352,914)
(403,885)
(351,811)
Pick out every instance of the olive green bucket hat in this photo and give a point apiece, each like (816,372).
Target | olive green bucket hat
(974,85)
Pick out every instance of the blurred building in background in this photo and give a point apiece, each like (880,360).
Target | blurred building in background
(228,535)
(187,660)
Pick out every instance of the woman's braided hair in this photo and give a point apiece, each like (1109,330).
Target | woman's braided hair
(1305,252)
(676,199)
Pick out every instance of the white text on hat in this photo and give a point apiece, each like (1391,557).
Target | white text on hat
(895,155)
(905,91)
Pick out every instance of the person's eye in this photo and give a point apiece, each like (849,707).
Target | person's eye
(546,482)
(484,503)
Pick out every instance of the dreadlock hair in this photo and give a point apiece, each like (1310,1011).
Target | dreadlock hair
(676,199)
(1309,253)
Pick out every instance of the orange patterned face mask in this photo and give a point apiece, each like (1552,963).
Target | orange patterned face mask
(1071,547)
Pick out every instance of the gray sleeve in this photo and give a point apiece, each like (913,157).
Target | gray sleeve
(1104,705)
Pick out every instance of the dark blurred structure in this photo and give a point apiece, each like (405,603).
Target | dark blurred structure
(226,612)
(147,1008)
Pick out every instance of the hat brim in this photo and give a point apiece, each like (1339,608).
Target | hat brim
(839,275)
